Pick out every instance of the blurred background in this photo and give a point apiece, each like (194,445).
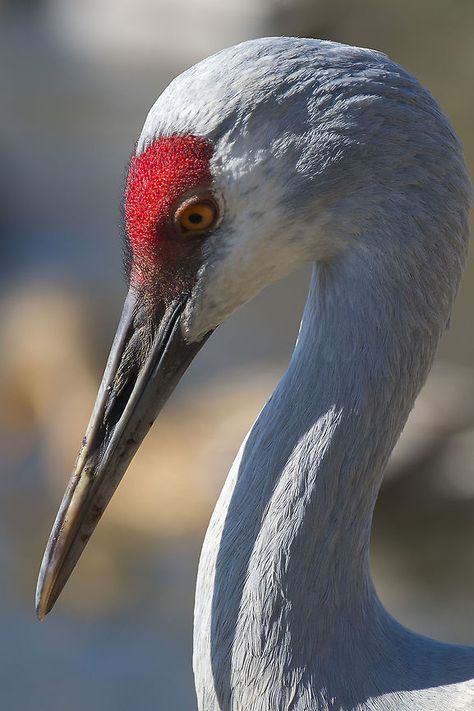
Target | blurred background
(76,81)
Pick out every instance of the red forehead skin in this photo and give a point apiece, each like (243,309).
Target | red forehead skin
(169,169)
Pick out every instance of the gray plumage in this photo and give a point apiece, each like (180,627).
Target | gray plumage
(334,154)
(286,613)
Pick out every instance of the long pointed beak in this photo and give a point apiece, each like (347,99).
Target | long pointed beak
(133,391)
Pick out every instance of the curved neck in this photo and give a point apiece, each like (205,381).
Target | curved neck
(348,391)
(286,553)
(333,422)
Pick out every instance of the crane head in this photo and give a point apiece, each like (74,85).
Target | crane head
(265,156)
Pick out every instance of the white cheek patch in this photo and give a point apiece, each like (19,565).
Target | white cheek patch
(262,238)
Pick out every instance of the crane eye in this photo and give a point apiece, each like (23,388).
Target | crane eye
(196,216)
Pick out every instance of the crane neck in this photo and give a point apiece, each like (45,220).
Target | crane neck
(334,419)
(285,563)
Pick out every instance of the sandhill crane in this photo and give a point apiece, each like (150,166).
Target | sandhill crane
(272,153)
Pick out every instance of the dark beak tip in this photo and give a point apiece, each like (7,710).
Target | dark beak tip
(41,606)
(41,611)
(44,595)
(44,604)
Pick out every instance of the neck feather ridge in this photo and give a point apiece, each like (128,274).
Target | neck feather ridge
(326,436)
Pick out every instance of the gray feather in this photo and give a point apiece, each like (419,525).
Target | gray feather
(336,155)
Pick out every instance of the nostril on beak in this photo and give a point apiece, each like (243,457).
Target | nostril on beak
(118,398)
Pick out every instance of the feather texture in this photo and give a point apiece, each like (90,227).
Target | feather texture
(336,155)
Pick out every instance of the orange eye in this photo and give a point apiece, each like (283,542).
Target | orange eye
(197,216)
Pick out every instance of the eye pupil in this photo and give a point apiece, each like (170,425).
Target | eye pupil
(196,217)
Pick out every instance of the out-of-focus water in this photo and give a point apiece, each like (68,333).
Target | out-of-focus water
(139,657)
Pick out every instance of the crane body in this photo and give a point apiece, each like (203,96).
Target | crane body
(272,154)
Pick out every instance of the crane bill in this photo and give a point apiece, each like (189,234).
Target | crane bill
(136,384)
